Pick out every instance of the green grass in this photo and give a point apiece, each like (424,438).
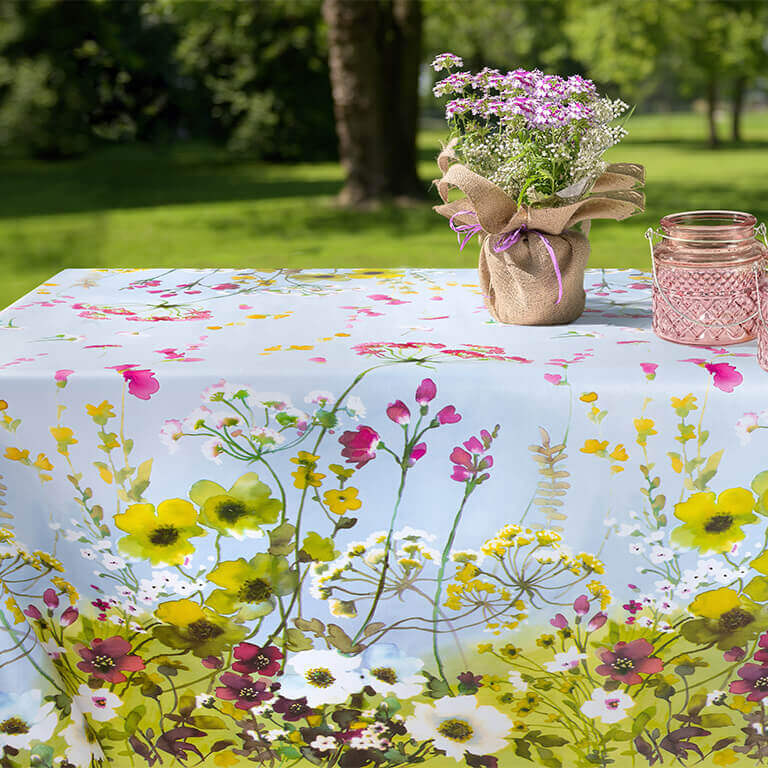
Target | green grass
(188,205)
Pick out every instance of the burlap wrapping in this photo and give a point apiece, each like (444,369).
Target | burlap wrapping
(520,284)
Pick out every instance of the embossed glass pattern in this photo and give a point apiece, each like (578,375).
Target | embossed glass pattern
(706,265)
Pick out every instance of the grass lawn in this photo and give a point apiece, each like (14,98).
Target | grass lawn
(187,205)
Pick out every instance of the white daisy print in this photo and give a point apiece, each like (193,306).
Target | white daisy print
(458,725)
(99,704)
(324,677)
(609,706)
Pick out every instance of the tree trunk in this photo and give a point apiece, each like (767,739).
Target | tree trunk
(712,111)
(374,55)
(737,107)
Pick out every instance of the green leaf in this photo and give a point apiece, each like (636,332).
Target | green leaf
(311,625)
(340,640)
(716,721)
(757,589)
(436,688)
(319,548)
(326,418)
(281,539)
(296,640)
(133,719)
(208,722)
(141,482)
(760,487)
(642,720)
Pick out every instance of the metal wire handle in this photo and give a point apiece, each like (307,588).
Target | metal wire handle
(759,230)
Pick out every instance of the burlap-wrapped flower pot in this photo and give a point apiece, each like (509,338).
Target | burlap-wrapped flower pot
(532,260)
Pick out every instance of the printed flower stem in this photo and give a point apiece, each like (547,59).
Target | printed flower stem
(440,578)
(12,632)
(387,549)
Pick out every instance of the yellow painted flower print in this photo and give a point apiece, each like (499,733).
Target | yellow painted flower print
(713,524)
(238,512)
(187,626)
(724,617)
(159,535)
(249,587)
(342,501)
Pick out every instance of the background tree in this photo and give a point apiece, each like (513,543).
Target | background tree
(374,58)
(262,67)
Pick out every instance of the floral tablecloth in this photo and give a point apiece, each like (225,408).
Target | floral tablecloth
(343,518)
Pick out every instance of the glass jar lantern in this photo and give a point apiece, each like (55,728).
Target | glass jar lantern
(706,266)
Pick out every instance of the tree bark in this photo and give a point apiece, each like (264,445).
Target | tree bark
(714,142)
(737,107)
(374,56)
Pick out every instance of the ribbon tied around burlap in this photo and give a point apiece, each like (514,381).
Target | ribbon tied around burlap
(530,280)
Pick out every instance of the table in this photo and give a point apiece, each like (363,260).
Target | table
(343,518)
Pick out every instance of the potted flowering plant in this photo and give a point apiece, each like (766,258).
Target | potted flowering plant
(526,149)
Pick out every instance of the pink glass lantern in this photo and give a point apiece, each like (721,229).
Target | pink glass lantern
(762,326)
(706,266)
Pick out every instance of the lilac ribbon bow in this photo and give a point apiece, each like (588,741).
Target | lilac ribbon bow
(506,241)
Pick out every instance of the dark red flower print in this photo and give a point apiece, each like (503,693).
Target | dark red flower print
(359,446)
(627,660)
(51,599)
(246,692)
(735,654)
(754,681)
(762,654)
(256,660)
(108,659)
(292,709)
(33,612)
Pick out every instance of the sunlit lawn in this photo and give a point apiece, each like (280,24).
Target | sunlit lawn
(188,205)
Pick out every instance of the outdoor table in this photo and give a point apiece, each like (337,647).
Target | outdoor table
(344,518)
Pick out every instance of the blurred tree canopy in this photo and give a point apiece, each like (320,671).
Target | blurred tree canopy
(253,75)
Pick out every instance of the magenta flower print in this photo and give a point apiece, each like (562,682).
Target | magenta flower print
(426,392)
(448,415)
(627,660)
(399,413)
(462,464)
(62,376)
(359,446)
(597,621)
(471,460)
(754,682)
(559,621)
(724,376)
(553,378)
(69,616)
(581,605)
(649,369)
(241,689)
(417,452)
(141,381)
(108,659)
